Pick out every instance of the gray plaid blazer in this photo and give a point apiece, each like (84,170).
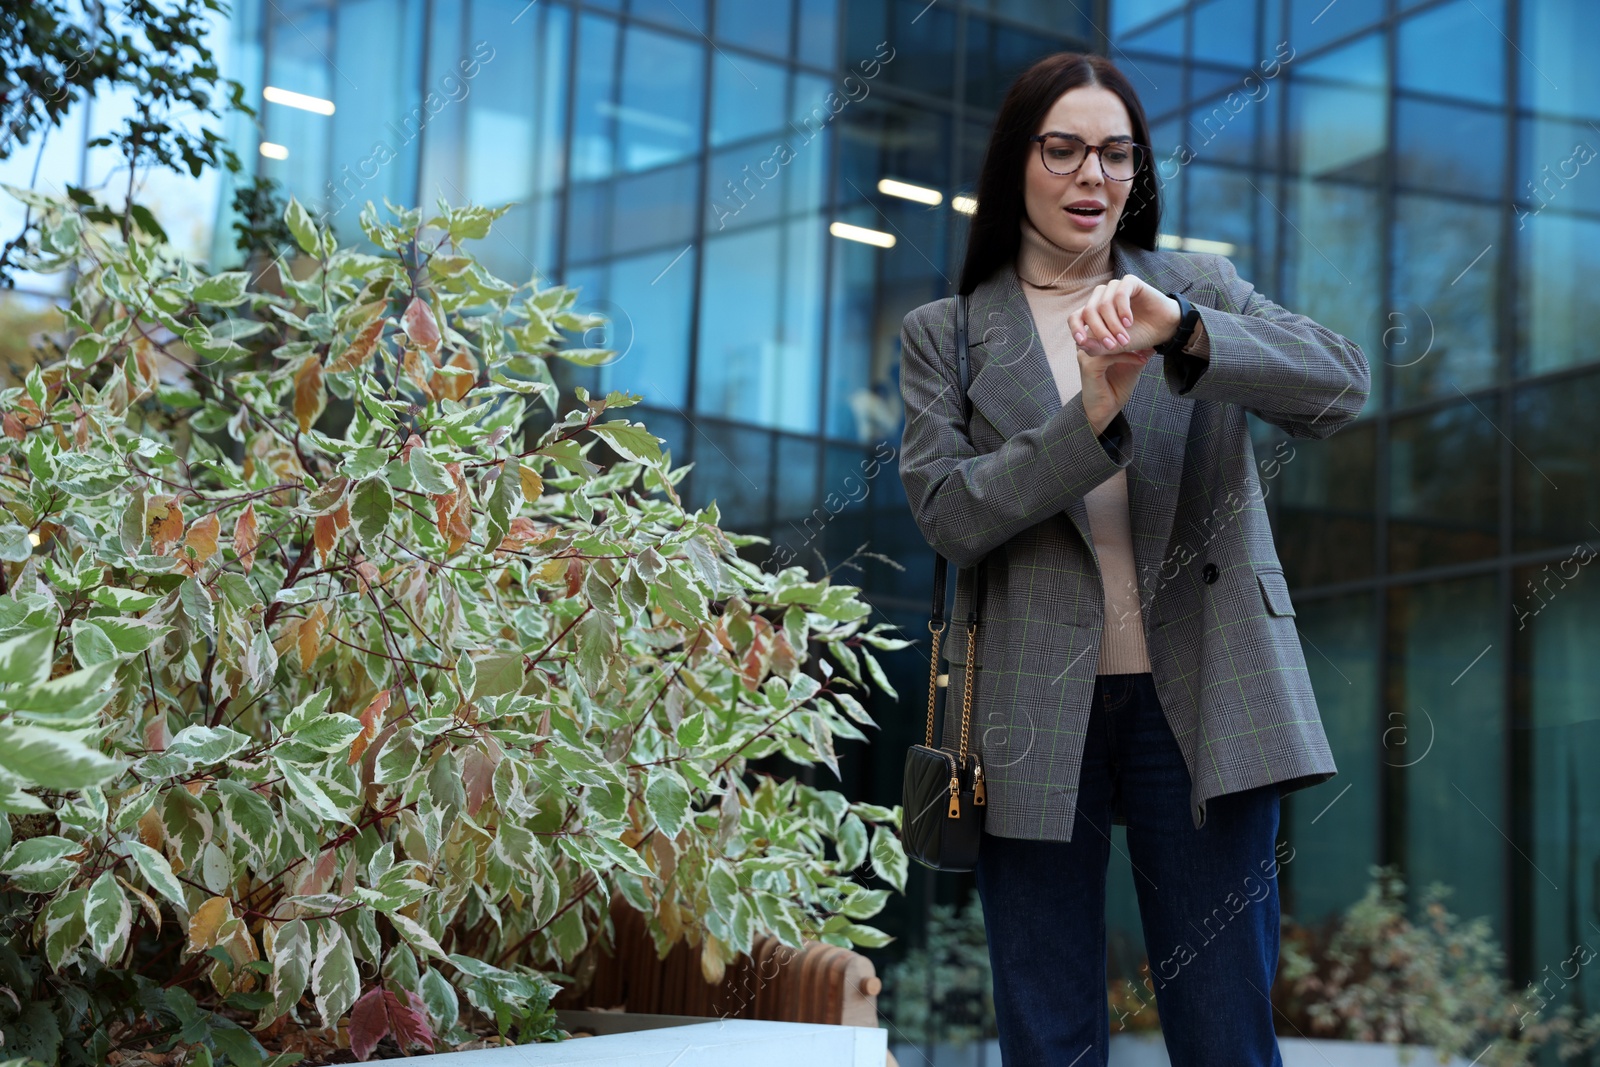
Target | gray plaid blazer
(1218,622)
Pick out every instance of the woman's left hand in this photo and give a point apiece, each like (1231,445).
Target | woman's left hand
(1126,314)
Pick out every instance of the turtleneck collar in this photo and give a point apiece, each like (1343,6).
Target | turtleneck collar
(1044,264)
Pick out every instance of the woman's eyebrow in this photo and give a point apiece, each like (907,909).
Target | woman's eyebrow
(1108,140)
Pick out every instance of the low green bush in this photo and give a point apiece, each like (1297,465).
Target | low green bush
(337,704)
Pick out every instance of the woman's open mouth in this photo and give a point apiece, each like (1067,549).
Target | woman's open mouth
(1086,217)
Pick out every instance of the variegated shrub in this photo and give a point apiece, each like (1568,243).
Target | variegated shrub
(340,682)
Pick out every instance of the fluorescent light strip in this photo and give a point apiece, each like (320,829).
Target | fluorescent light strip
(862,234)
(967,205)
(1178,243)
(907,191)
(274,151)
(274,95)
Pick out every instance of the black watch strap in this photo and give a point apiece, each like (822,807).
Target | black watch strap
(1188,317)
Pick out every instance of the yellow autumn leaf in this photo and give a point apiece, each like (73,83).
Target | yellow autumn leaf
(206,921)
(309,395)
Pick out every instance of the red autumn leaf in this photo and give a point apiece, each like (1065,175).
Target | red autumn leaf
(420,325)
(369,1023)
(477,776)
(13,427)
(574,576)
(325,532)
(245,538)
(409,1025)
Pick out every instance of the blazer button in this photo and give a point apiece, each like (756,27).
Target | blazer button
(1209,573)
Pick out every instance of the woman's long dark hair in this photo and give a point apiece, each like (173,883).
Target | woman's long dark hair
(995,233)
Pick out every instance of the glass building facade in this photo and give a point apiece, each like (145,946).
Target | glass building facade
(1418,176)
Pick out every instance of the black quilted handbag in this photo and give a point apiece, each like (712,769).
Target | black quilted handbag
(942,797)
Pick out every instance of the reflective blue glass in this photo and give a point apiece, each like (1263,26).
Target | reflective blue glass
(996,54)
(1130,15)
(1441,147)
(1558,255)
(1444,488)
(1313,25)
(760,346)
(1447,264)
(686,15)
(646,301)
(1449,735)
(658,115)
(1556,72)
(748,98)
(298,54)
(1556,491)
(912,39)
(819,32)
(761,27)
(733,466)
(1336,831)
(1225,32)
(1470,66)
(594,120)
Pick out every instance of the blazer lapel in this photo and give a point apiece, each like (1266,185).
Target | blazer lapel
(1014,390)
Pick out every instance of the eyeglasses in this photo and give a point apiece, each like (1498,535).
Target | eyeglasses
(1063,154)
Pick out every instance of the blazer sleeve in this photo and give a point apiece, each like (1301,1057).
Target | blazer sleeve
(1290,370)
(967,503)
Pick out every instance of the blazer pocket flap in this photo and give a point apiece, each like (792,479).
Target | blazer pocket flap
(1275,591)
(953,646)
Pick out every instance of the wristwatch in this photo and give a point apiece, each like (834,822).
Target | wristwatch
(1188,318)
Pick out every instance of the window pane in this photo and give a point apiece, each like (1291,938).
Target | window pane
(1443,488)
(732,465)
(1334,265)
(1335,827)
(1135,14)
(1471,65)
(1445,736)
(688,16)
(1338,113)
(997,54)
(1446,277)
(1557,321)
(759,353)
(1439,147)
(1314,25)
(658,117)
(1225,32)
(594,122)
(762,27)
(298,62)
(819,32)
(1221,202)
(747,98)
(1556,478)
(646,300)
(1564,742)
(1325,505)
(913,39)
(1559,75)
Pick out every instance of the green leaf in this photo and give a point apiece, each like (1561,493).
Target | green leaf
(371,505)
(667,799)
(888,858)
(108,918)
(64,928)
(223,290)
(334,979)
(302,226)
(249,816)
(51,758)
(430,475)
(307,711)
(291,968)
(498,673)
(310,793)
(26,660)
(124,599)
(157,872)
(15,544)
(852,842)
(36,865)
(416,934)
(631,440)
(504,500)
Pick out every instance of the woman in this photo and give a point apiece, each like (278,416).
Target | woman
(1137,659)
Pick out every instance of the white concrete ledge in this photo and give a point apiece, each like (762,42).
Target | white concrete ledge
(722,1043)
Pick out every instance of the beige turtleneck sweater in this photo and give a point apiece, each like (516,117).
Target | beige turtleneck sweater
(1059,281)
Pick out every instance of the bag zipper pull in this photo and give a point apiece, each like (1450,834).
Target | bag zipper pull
(955,798)
(977,786)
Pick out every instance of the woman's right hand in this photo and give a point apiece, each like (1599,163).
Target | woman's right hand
(1108,382)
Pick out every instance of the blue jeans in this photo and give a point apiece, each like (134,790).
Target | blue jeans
(1208,901)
